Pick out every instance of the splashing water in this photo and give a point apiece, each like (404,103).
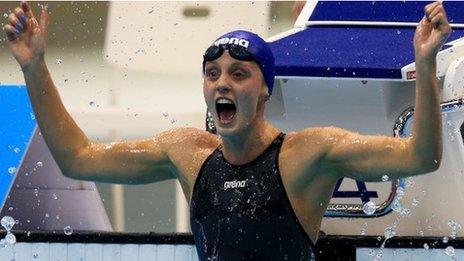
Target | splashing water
(10,239)
(449,251)
(389,232)
(8,222)
(363,229)
(369,208)
(12,170)
(455,227)
(445,239)
(68,230)
(426,246)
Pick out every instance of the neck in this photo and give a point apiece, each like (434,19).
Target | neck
(249,144)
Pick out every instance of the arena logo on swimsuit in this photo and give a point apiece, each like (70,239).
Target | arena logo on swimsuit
(235,184)
(233,40)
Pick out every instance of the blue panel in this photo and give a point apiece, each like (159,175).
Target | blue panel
(388,11)
(16,129)
(353,52)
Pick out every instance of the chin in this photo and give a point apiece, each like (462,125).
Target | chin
(226,131)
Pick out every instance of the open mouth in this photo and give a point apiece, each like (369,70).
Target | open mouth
(225,109)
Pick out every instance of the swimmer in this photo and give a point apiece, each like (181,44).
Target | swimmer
(255,193)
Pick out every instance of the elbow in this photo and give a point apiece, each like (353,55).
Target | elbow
(72,167)
(427,158)
(429,164)
(69,169)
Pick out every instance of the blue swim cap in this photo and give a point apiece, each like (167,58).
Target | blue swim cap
(256,46)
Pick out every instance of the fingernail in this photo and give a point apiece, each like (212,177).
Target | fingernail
(23,19)
(20,27)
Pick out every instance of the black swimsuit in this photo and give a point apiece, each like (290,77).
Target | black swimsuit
(243,212)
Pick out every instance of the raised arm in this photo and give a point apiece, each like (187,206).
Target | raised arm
(129,162)
(370,157)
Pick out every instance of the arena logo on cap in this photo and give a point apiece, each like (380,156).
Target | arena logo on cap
(233,40)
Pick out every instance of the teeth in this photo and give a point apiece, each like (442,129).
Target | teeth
(224,101)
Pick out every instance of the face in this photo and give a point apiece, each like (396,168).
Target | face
(235,93)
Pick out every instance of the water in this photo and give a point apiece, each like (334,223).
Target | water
(445,239)
(10,239)
(385,178)
(68,230)
(449,251)
(389,233)
(7,222)
(12,170)
(369,208)
(426,246)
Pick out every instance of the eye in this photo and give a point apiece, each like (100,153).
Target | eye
(239,74)
(212,74)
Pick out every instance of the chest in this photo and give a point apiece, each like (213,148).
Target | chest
(254,189)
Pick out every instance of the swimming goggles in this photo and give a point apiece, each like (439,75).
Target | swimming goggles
(236,51)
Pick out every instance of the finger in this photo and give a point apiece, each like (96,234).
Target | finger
(27,10)
(20,15)
(44,19)
(11,32)
(429,8)
(433,12)
(14,21)
(439,9)
(438,20)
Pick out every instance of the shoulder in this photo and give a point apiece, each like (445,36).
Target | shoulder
(323,136)
(187,138)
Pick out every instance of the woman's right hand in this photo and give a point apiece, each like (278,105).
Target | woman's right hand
(26,37)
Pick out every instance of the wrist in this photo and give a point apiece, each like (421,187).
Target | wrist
(33,65)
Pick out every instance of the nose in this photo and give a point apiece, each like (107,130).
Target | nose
(223,85)
(223,88)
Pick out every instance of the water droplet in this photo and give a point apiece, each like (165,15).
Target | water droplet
(91,103)
(5,15)
(449,251)
(415,202)
(12,170)
(369,208)
(405,212)
(399,193)
(68,230)
(363,229)
(8,222)
(35,255)
(409,183)
(389,232)
(165,114)
(445,239)
(39,164)
(426,246)
(454,225)
(58,61)
(10,239)
(54,196)
(385,178)
(173,121)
